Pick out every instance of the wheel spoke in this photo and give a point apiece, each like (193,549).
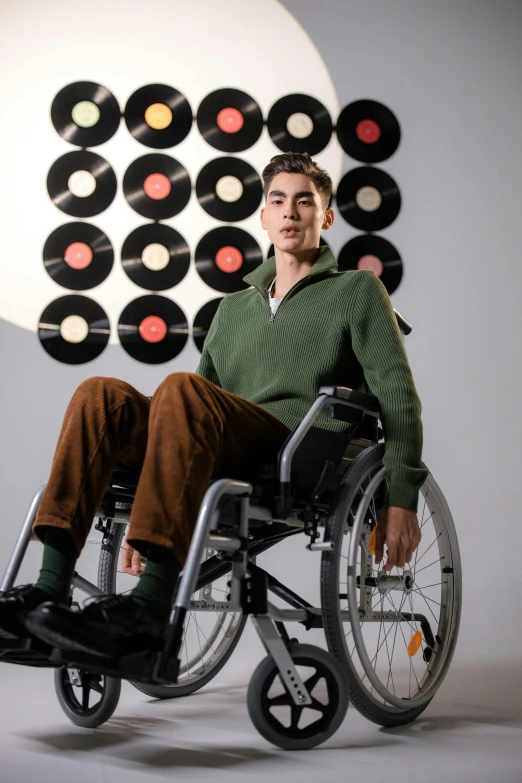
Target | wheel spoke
(86,692)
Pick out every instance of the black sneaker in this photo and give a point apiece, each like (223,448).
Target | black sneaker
(15,605)
(110,625)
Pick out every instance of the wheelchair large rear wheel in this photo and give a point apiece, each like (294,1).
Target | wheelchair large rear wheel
(394,632)
(210,635)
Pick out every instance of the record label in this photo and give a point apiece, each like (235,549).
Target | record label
(368,251)
(81,183)
(158,116)
(230,120)
(78,256)
(368,198)
(74,329)
(239,186)
(368,131)
(85,114)
(225,256)
(299,123)
(157,186)
(155,257)
(153,329)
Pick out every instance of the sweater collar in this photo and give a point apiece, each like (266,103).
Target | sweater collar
(264,274)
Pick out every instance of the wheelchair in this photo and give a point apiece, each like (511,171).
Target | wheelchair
(390,636)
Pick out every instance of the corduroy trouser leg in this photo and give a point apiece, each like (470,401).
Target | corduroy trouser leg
(190,430)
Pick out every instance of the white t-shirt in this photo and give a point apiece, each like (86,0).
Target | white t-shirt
(274,303)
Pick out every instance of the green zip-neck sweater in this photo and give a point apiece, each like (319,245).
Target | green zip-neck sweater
(331,329)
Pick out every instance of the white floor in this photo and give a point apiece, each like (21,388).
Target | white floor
(471,732)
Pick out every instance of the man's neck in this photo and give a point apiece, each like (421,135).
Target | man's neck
(290,268)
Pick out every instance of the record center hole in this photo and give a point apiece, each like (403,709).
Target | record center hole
(157,186)
(368,131)
(372,263)
(78,255)
(230,120)
(153,329)
(229,259)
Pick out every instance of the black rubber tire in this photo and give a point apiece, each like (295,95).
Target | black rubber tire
(106,570)
(304,655)
(333,627)
(96,716)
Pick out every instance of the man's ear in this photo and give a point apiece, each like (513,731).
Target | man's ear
(263,218)
(329,216)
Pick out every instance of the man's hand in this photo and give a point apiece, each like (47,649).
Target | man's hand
(131,560)
(399,527)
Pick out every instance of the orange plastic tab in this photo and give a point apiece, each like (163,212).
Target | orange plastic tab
(414,645)
(373,538)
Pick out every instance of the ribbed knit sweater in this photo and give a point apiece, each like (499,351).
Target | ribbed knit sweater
(331,328)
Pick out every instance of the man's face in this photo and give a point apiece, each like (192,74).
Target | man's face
(293,201)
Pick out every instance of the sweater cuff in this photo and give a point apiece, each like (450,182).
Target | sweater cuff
(403,494)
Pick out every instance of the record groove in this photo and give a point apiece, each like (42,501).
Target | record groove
(230,120)
(74,329)
(299,123)
(153,329)
(158,116)
(368,198)
(227,247)
(157,186)
(85,114)
(87,173)
(229,189)
(368,131)
(78,256)
(202,321)
(148,269)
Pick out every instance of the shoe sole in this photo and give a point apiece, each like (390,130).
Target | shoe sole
(55,638)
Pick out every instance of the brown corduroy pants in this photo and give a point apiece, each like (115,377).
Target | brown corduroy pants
(190,430)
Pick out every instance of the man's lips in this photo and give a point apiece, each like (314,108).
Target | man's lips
(289,232)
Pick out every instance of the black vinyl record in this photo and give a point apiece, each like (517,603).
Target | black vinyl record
(229,189)
(368,131)
(81,183)
(375,253)
(78,256)
(153,329)
(158,116)
(155,257)
(74,329)
(299,123)
(230,120)
(85,114)
(157,186)
(202,321)
(271,250)
(368,198)
(225,256)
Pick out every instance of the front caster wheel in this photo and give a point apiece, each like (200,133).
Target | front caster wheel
(87,699)
(286,724)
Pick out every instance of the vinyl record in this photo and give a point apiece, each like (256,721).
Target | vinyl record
(81,183)
(299,123)
(78,256)
(225,256)
(157,186)
(271,250)
(367,251)
(153,329)
(74,329)
(230,120)
(202,321)
(85,114)
(155,257)
(229,189)
(368,198)
(368,131)
(158,116)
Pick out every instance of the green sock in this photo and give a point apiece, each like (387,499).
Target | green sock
(59,561)
(158,581)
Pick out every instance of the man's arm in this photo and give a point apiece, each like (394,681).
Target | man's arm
(377,343)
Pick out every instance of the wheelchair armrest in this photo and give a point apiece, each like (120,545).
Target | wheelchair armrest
(367,403)
(403,324)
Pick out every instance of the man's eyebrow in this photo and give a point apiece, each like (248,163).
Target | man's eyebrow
(300,194)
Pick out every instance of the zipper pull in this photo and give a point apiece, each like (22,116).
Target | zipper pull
(272,316)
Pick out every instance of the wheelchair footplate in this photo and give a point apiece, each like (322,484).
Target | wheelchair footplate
(27,652)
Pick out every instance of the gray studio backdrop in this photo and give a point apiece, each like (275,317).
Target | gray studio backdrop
(451,71)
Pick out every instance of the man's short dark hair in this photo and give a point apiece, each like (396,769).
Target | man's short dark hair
(299,163)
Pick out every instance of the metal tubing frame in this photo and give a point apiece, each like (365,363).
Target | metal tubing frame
(20,548)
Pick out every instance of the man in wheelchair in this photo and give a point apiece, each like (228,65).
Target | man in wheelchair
(300,325)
